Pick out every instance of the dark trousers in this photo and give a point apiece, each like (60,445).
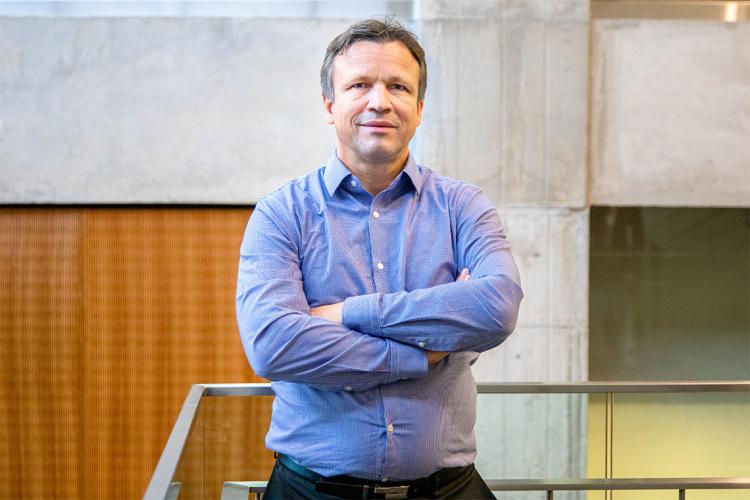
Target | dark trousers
(285,484)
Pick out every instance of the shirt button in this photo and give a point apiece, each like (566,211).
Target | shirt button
(348,388)
(421,344)
(390,428)
(376,214)
(353,183)
(380,266)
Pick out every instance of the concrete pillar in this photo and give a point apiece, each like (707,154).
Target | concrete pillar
(506,109)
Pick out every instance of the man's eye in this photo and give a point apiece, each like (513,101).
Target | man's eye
(398,86)
(358,86)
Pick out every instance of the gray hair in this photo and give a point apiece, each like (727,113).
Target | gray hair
(372,30)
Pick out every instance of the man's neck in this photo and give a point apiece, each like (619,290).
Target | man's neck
(376,177)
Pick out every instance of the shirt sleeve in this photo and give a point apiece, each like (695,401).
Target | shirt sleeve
(283,341)
(474,315)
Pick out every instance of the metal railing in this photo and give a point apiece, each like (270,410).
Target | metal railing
(161,486)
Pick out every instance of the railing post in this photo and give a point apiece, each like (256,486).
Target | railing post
(609,439)
(682,494)
(550,494)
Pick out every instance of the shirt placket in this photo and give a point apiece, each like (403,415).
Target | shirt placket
(379,272)
(385,272)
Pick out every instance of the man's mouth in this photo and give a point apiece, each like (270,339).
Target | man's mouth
(377,124)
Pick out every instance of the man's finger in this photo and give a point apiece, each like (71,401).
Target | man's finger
(331,312)
(434,357)
(464,276)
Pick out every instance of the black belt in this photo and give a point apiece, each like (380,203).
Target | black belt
(354,487)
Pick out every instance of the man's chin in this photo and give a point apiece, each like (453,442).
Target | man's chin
(380,154)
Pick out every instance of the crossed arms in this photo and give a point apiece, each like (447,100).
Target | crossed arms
(335,314)
(372,339)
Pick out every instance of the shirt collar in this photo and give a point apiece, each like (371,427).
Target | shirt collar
(412,170)
(336,172)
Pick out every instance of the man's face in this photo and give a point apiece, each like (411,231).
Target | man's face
(375,108)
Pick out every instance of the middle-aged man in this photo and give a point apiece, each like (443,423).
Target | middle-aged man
(366,290)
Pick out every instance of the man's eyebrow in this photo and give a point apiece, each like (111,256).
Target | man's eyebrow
(364,77)
(356,76)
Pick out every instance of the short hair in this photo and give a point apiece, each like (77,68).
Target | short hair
(372,30)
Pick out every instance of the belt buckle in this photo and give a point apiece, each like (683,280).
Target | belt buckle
(392,492)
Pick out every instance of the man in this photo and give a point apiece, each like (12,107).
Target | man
(354,295)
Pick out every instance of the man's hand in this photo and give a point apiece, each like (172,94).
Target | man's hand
(435,357)
(464,276)
(331,312)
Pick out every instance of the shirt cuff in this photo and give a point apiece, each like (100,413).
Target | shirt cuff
(360,313)
(406,362)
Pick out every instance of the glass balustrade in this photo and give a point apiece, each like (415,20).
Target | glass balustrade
(630,441)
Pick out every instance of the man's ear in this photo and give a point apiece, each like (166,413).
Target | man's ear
(420,105)
(328,105)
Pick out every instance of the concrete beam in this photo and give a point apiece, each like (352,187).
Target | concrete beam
(670,113)
(152,110)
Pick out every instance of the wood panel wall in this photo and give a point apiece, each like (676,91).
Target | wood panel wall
(107,316)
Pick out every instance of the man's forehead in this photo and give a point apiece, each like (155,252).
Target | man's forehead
(365,51)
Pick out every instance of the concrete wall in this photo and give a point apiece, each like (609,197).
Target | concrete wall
(670,113)
(140,110)
(508,98)
(153,110)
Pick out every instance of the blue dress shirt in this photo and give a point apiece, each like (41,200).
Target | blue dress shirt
(360,398)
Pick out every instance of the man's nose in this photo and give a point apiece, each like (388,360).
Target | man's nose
(379,100)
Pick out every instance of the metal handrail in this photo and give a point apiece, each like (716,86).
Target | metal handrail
(621,483)
(160,483)
(237,489)
(534,387)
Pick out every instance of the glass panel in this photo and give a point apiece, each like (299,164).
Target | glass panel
(533,436)
(674,435)
(525,436)
(225,444)
(596,438)
(690,435)
(670,300)
(669,294)
(188,479)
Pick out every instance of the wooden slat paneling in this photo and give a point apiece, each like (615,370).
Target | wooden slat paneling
(40,317)
(108,316)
